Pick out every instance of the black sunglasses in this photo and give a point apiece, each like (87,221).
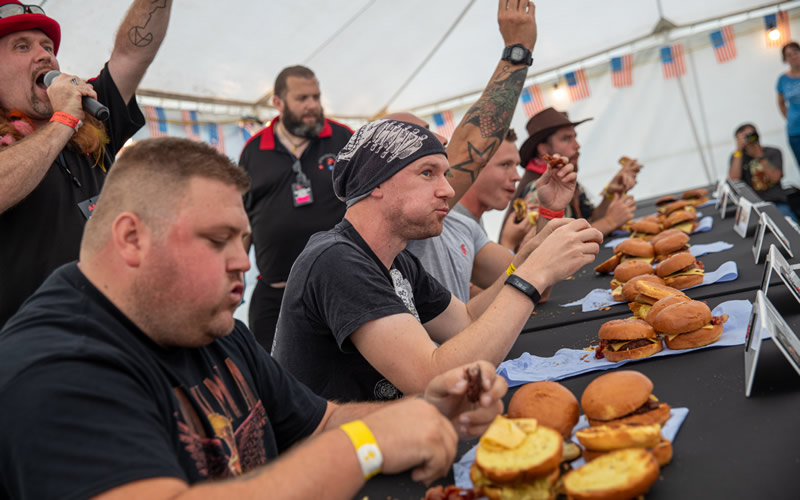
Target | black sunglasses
(15,9)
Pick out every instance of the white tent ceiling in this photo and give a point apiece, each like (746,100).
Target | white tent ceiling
(368,54)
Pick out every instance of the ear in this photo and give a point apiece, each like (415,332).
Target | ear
(131,238)
(377,192)
(277,102)
(542,149)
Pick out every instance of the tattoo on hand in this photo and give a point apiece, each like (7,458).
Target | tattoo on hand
(137,35)
(475,156)
(492,113)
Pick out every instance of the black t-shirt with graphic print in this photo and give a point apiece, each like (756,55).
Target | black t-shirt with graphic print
(336,285)
(89,402)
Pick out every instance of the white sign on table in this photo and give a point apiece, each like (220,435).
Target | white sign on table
(765,319)
(765,222)
(726,194)
(742,219)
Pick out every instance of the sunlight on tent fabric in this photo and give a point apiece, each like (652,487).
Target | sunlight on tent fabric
(774,34)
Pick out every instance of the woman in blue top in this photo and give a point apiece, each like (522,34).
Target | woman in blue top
(789,95)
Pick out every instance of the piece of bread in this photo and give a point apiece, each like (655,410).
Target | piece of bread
(520,210)
(684,282)
(629,291)
(664,234)
(659,415)
(543,488)
(646,227)
(674,207)
(705,335)
(665,200)
(637,353)
(680,216)
(629,331)
(616,394)
(630,269)
(675,263)
(671,243)
(662,451)
(616,437)
(616,475)
(625,329)
(662,303)
(682,317)
(655,291)
(635,247)
(537,456)
(608,266)
(552,404)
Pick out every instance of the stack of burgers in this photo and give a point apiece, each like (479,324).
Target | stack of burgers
(512,464)
(646,227)
(696,196)
(636,259)
(685,323)
(623,444)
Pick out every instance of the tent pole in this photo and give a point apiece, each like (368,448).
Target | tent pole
(694,129)
(702,111)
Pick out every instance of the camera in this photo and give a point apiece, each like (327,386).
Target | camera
(751,138)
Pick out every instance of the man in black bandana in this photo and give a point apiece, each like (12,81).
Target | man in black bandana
(360,315)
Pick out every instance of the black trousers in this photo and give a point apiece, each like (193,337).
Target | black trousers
(265,305)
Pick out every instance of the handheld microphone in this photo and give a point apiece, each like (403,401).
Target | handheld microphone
(91,106)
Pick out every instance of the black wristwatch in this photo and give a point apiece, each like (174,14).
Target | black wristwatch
(524,287)
(517,54)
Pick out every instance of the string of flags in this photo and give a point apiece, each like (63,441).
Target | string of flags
(194,129)
(444,123)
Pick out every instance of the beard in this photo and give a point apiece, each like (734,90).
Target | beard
(298,128)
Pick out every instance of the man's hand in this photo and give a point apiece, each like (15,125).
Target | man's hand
(621,183)
(65,94)
(516,232)
(632,167)
(448,393)
(755,150)
(567,249)
(620,211)
(529,244)
(556,186)
(741,141)
(412,433)
(517,20)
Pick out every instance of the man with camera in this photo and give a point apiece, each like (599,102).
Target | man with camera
(760,167)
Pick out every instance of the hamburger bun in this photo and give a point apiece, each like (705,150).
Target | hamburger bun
(664,234)
(675,206)
(542,488)
(671,243)
(635,247)
(679,217)
(675,263)
(626,329)
(696,196)
(614,397)
(608,266)
(682,317)
(629,291)
(706,335)
(662,452)
(537,456)
(646,227)
(665,200)
(620,474)
(683,282)
(630,269)
(636,353)
(654,291)
(663,303)
(552,404)
(608,438)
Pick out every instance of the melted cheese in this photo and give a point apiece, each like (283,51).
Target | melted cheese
(503,433)
(649,260)
(690,272)
(686,227)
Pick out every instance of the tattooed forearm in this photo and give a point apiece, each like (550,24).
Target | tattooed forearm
(139,36)
(493,111)
(475,157)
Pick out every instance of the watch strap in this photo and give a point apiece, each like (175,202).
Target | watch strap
(524,287)
(527,57)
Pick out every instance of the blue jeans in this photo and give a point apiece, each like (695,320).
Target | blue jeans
(786,210)
(794,142)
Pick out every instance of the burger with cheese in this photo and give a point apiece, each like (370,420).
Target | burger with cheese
(681,270)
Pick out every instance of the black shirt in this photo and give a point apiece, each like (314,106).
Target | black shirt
(337,285)
(90,403)
(281,230)
(44,230)
(754,174)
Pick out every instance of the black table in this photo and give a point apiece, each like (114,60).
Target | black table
(729,446)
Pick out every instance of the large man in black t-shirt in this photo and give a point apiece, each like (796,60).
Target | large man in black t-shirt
(291,198)
(51,168)
(126,376)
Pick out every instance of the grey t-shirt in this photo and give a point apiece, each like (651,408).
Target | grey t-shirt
(450,256)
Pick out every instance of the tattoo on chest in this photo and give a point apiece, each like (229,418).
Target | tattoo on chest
(138,35)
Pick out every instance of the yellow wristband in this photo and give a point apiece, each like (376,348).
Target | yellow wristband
(737,154)
(511,269)
(607,194)
(367,451)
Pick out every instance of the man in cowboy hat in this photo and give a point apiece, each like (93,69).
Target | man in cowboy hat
(53,156)
(552,132)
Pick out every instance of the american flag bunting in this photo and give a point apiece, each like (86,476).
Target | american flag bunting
(577,86)
(444,123)
(724,44)
(190,124)
(156,121)
(216,137)
(532,101)
(779,21)
(622,71)
(672,61)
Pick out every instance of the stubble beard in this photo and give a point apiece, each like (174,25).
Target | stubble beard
(298,128)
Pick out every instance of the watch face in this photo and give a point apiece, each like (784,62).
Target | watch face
(517,54)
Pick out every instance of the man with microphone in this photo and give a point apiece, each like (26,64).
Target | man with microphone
(53,154)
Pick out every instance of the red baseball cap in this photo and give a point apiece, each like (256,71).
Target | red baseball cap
(30,21)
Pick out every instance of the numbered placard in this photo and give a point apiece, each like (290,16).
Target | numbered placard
(766,321)
(777,264)
(726,195)
(742,219)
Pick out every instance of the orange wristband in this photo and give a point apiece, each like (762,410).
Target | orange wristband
(67,119)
